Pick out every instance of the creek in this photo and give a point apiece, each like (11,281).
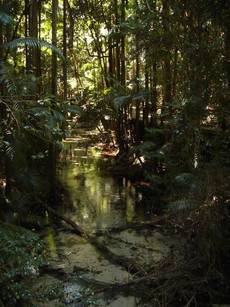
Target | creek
(82,272)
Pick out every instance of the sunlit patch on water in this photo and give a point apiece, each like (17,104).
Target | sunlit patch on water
(101,202)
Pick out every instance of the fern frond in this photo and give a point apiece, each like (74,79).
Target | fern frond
(34,43)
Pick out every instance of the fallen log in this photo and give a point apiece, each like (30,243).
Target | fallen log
(137,284)
(76,228)
(156,223)
(128,264)
(116,286)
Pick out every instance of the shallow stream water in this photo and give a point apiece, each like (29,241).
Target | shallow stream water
(98,203)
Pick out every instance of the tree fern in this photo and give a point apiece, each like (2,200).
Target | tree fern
(34,43)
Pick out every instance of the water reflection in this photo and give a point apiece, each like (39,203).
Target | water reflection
(98,202)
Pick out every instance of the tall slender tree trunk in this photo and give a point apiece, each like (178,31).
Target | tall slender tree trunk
(153,90)
(137,77)
(123,65)
(54,42)
(175,67)
(52,146)
(39,60)
(27,28)
(118,51)
(65,49)
(123,68)
(3,158)
(33,32)
(1,43)
(71,26)
(146,103)
(167,99)
(110,61)
(227,51)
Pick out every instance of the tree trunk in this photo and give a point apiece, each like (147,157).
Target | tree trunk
(123,68)
(54,42)
(52,146)
(71,26)
(153,85)
(118,52)
(227,52)
(27,27)
(146,104)
(167,88)
(33,32)
(65,49)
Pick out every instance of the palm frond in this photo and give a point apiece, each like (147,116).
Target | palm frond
(121,101)
(7,78)
(5,19)
(153,132)
(184,204)
(184,180)
(34,43)
(9,150)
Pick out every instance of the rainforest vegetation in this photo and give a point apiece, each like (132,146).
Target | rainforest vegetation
(152,77)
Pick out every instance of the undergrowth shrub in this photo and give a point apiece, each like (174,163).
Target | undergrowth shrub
(21,255)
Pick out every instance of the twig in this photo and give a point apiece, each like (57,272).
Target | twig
(190,301)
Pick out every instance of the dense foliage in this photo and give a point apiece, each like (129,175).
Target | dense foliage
(21,256)
(153,74)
